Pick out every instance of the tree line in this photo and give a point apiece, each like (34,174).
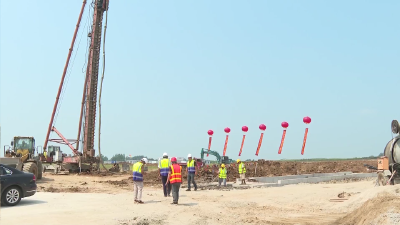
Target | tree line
(123,157)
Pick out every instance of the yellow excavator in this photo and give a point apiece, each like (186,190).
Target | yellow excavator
(22,156)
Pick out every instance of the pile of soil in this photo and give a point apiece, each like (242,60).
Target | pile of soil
(383,209)
(263,168)
(72,189)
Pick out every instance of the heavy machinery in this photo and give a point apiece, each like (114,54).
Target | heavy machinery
(389,164)
(224,159)
(85,160)
(22,156)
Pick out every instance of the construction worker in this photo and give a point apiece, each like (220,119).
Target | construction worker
(138,180)
(242,171)
(175,178)
(222,175)
(163,169)
(191,172)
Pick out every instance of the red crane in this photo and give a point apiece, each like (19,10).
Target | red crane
(87,119)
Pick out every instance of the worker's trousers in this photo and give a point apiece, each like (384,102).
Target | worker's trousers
(175,192)
(222,180)
(191,178)
(167,188)
(137,189)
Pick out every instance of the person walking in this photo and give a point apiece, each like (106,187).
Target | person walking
(242,171)
(163,169)
(191,172)
(222,175)
(175,178)
(138,180)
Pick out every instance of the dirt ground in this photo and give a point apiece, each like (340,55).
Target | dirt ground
(108,199)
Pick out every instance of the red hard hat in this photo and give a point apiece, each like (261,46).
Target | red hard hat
(173,159)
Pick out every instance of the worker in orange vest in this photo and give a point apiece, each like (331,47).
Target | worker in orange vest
(175,178)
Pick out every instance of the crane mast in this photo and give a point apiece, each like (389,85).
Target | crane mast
(92,80)
(89,96)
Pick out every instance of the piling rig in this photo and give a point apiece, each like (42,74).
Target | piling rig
(87,119)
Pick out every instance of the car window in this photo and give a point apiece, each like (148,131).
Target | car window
(5,171)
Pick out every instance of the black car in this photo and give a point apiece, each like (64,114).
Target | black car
(15,185)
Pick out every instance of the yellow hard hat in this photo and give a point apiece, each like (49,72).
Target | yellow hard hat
(222,165)
(238,160)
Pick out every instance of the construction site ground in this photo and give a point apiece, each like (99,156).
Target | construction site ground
(107,198)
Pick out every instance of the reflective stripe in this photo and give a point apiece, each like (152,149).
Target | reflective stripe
(242,170)
(190,166)
(176,176)
(222,173)
(164,167)
(137,171)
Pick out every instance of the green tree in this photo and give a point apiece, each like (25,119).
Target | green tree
(104,158)
(118,157)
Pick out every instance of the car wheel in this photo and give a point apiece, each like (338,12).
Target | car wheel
(11,196)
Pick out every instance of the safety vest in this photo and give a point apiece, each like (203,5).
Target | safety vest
(190,166)
(222,173)
(242,170)
(176,174)
(164,167)
(137,171)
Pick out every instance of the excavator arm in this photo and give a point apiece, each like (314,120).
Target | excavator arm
(211,152)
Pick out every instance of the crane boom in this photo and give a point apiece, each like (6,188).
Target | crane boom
(89,96)
(63,76)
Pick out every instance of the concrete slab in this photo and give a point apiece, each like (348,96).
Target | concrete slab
(290,177)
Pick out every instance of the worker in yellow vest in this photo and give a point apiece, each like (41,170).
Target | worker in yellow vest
(191,172)
(138,180)
(175,178)
(242,171)
(222,175)
(163,169)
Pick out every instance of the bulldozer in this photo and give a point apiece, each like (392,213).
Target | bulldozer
(22,156)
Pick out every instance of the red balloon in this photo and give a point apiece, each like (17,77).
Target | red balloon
(307,120)
(262,127)
(227,130)
(285,124)
(210,132)
(245,128)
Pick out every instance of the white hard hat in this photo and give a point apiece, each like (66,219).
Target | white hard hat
(145,160)
(165,154)
(190,155)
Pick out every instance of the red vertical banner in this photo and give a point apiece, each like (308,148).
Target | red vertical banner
(259,144)
(262,128)
(241,147)
(227,130)
(304,141)
(226,144)
(306,120)
(210,133)
(285,125)
(244,129)
(283,139)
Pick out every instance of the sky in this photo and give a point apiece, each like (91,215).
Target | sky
(175,69)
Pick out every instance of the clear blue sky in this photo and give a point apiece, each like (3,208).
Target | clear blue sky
(175,69)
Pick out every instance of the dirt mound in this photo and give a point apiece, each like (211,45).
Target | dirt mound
(383,209)
(102,173)
(264,168)
(119,183)
(71,189)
